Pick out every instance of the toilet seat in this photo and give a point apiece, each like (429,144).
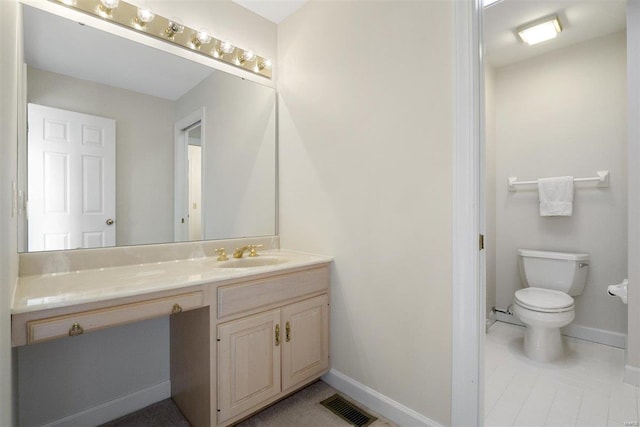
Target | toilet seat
(543,300)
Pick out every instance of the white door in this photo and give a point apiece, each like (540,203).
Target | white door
(71,180)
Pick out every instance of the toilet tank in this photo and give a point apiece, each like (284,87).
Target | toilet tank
(560,271)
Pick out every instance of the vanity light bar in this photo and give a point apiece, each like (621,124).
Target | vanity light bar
(172,31)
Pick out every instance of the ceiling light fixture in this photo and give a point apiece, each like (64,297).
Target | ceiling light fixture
(540,30)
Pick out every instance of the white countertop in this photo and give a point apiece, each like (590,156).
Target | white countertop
(41,292)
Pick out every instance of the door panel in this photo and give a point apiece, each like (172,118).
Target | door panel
(306,346)
(248,363)
(71,179)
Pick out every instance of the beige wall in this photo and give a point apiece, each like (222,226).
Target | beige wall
(144,149)
(366,119)
(563,113)
(8,225)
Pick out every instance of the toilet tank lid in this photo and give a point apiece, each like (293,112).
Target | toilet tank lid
(553,255)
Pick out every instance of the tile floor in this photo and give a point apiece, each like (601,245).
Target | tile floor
(585,388)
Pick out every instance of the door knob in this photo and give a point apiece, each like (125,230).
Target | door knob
(110,221)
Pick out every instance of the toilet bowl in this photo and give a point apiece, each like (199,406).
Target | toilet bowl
(544,312)
(545,304)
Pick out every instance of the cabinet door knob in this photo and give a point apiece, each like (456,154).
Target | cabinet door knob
(288,332)
(109,221)
(176,309)
(277,335)
(76,330)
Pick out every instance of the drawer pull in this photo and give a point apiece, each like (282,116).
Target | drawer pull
(176,309)
(288,332)
(277,335)
(76,330)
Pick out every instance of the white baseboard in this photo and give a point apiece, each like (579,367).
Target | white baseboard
(614,339)
(489,323)
(377,402)
(632,375)
(600,336)
(116,408)
(501,317)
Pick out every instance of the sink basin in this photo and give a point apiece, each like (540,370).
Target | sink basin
(259,261)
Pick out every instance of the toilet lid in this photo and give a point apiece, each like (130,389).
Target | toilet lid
(545,300)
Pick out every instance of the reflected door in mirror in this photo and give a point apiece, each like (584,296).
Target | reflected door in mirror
(195,182)
(71,180)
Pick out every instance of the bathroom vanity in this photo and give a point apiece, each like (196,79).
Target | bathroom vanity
(244,333)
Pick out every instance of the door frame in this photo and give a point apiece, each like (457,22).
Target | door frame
(467,289)
(181,174)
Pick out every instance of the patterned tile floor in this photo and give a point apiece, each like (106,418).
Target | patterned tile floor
(585,388)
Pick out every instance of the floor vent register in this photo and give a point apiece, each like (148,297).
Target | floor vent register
(348,411)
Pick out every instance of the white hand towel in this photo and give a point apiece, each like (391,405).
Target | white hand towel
(556,196)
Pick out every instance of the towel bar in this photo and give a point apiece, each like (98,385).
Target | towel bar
(602,179)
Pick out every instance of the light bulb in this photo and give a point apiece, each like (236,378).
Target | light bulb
(247,55)
(227,47)
(202,37)
(109,4)
(144,15)
(264,64)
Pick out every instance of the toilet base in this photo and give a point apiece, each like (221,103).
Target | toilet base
(542,341)
(542,344)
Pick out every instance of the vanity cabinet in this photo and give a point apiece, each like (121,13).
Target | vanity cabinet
(248,363)
(305,352)
(267,355)
(240,339)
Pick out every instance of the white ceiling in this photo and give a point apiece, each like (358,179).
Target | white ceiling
(581,20)
(274,10)
(65,47)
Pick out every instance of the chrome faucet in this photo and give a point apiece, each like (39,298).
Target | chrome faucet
(251,248)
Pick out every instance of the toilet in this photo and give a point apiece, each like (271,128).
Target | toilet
(545,304)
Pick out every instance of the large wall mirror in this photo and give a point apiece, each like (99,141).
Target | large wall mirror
(130,145)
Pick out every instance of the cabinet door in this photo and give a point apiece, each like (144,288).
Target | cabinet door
(305,351)
(248,363)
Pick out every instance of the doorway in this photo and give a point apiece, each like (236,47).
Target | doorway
(556,109)
(189,177)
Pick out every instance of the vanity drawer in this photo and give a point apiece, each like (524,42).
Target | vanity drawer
(251,295)
(86,321)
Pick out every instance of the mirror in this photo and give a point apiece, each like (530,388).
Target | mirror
(130,145)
